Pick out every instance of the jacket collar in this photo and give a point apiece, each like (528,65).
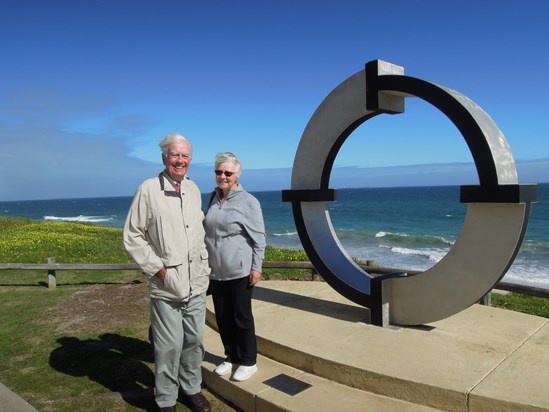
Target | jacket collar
(233,192)
(170,191)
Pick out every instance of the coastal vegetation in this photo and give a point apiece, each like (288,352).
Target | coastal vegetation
(59,347)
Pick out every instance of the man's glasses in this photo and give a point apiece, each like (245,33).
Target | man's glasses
(221,172)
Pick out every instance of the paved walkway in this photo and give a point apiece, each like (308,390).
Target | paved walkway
(11,402)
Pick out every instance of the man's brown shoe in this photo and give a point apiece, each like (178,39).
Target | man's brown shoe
(197,402)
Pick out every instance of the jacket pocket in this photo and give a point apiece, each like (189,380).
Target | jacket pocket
(168,242)
(175,284)
(156,237)
(204,264)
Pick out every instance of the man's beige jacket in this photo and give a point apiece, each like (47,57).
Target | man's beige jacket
(165,228)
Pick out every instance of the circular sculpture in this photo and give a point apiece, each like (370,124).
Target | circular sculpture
(497,212)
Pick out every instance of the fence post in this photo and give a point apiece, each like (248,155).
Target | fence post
(52,281)
(486,300)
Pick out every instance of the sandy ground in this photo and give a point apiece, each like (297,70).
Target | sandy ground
(112,306)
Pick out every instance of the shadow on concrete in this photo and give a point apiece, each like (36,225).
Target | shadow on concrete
(335,310)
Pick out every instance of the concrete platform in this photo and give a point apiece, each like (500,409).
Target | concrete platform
(317,352)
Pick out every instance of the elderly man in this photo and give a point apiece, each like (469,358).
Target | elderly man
(164,234)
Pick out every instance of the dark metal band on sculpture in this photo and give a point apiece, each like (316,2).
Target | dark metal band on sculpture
(311,195)
(499,194)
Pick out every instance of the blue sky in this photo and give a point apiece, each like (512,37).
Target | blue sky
(89,88)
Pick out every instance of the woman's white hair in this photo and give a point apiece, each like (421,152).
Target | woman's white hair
(172,138)
(228,157)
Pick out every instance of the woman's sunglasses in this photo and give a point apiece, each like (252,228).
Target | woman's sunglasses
(221,172)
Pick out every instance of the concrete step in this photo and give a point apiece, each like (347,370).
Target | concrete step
(277,387)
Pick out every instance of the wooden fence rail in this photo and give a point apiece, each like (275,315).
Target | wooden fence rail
(52,267)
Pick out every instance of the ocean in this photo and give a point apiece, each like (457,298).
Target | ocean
(407,228)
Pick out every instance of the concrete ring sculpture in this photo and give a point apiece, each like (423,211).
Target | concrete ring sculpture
(497,212)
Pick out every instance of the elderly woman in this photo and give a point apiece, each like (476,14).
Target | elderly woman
(235,239)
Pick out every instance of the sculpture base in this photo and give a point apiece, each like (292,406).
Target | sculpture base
(318,352)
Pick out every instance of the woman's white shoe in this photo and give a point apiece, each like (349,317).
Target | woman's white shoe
(224,368)
(244,372)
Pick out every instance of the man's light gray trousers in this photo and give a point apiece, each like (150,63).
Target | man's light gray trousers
(177,329)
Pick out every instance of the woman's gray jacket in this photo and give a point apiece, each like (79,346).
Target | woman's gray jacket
(235,235)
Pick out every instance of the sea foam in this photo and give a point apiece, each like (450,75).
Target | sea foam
(80,218)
